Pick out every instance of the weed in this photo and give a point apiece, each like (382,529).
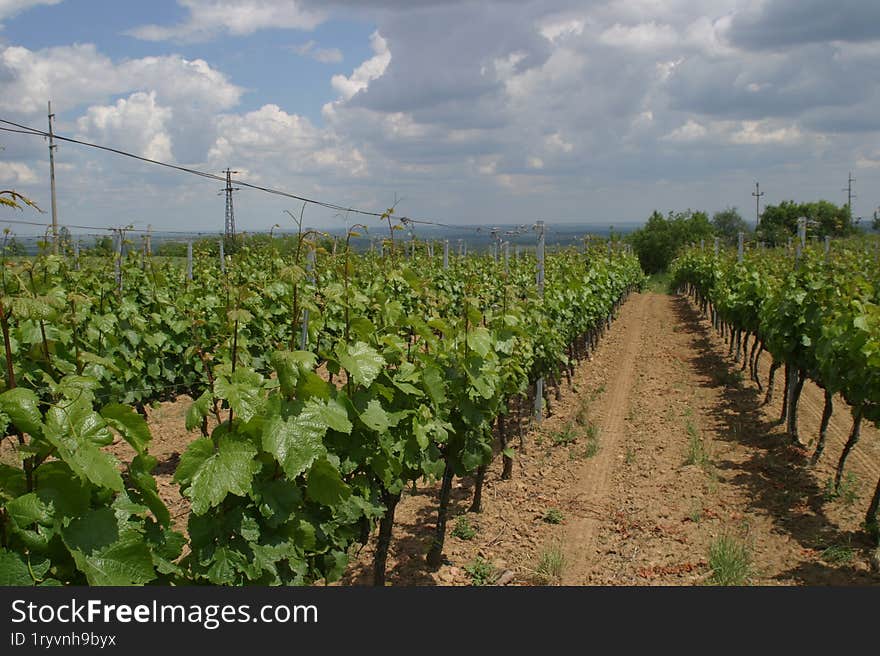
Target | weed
(847,492)
(630,455)
(554,516)
(730,560)
(837,554)
(592,447)
(463,529)
(696,513)
(729,378)
(480,571)
(551,565)
(696,454)
(566,436)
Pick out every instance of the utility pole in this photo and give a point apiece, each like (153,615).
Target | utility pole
(52,148)
(757,193)
(230,212)
(849,193)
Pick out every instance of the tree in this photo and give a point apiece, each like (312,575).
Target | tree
(779,222)
(728,224)
(662,238)
(103,246)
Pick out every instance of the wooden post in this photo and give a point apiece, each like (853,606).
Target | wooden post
(310,267)
(445,253)
(189,260)
(118,260)
(740,246)
(539,280)
(222,256)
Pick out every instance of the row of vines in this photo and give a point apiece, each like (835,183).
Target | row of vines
(323,385)
(817,315)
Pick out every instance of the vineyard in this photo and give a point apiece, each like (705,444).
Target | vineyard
(323,383)
(817,316)
(321,387)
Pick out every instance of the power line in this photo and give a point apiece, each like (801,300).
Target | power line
(24,129)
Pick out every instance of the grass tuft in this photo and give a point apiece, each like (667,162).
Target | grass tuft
(730,561)
(551,565)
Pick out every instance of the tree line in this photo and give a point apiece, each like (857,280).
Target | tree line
(660,240)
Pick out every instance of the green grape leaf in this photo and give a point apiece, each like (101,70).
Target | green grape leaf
(140,475)
(242,391)
(362,362)
(129,423)
(12,482)
(13,570)
(435,384)
(125,562)
(22,407)
(94,531)
(480,341)
(336,416)
(199,409)
(375,417)
(296,441)
(324,485)
(212,475)
(69,431)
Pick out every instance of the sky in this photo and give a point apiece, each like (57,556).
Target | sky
(463,112)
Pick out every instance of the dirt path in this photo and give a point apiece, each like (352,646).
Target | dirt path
(660,450)
(701,459)
(589,493)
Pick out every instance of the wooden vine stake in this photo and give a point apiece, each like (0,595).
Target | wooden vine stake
(310,267)
(117,263)
(539,280)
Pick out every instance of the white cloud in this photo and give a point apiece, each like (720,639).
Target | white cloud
(9,8)
(323,55)
(755,133)
(555,142)
(690,131)
(137,123)
(78,74)
(209,18)
(285,143)
(558,30)
(16,173)
(643,36)
(370,70)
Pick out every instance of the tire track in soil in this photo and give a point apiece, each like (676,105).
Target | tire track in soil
(580,538)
